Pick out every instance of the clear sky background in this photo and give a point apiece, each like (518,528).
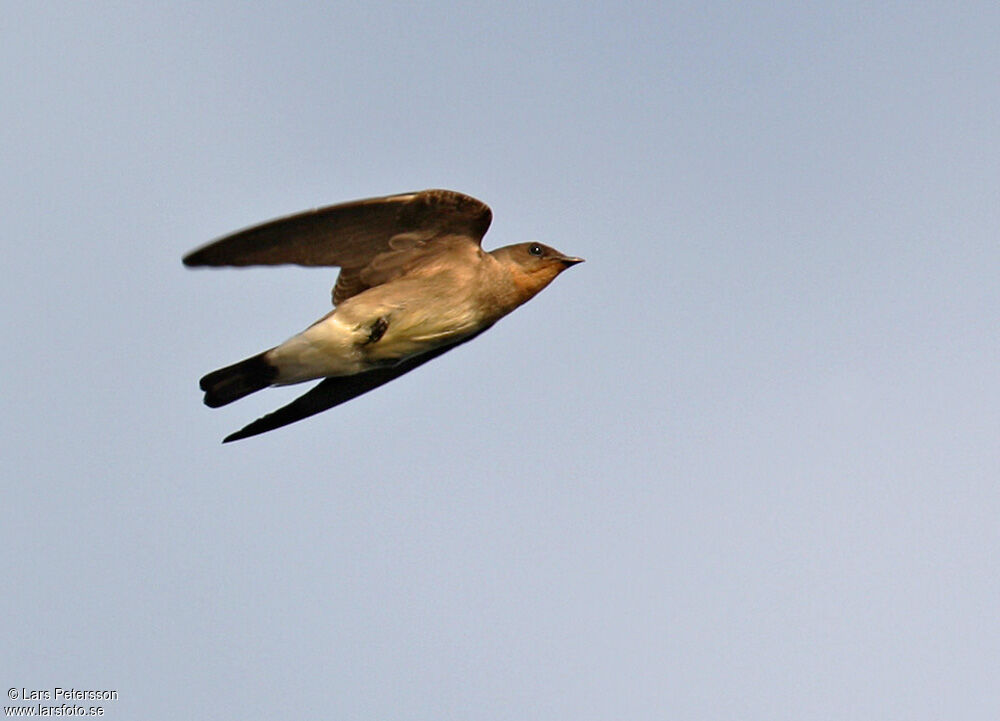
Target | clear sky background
(741,464)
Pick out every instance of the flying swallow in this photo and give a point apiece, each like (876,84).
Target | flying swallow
(414,283)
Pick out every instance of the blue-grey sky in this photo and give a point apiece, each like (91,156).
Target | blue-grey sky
(742,464)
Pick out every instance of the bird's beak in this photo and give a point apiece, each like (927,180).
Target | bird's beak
(567,261)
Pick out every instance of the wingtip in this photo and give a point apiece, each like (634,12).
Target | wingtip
(251,429)
(236,436)
(191,260)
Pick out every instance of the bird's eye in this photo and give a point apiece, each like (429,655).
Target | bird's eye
(535,249)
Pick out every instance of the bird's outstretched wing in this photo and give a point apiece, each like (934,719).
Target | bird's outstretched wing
(352,235)
(339,389)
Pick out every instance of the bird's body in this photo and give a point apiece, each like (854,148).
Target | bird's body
(438,304)
(414,283)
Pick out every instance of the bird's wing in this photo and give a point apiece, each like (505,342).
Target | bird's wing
(353,235)
(339,389)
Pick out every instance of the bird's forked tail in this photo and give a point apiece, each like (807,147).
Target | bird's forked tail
(240,379)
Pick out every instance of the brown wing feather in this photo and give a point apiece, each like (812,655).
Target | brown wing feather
(348,235)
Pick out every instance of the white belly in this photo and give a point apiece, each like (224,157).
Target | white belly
(341,343)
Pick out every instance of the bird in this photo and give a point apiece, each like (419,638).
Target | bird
(414,283)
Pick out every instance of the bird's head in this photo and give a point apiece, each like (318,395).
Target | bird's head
(533,266)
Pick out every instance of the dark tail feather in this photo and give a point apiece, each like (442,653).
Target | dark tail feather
(339,389)
(240,379)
